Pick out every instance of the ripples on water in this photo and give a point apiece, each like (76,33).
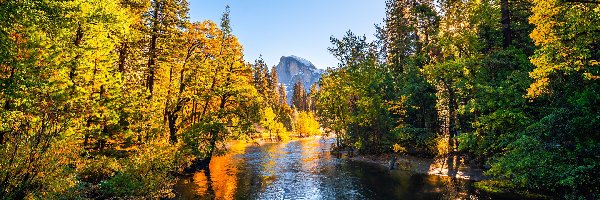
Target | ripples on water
(305,169)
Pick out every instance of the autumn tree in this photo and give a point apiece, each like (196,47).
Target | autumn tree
(279,99)
(226,104)
(60,87)
(76,84)
(332,106)
(306,124)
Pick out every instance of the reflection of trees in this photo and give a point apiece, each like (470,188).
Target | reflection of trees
(300,167)
(281,169)
(310,154)
(453,161)
(268,166)
(200,179)
(457,189)
(257,170)
(219,180)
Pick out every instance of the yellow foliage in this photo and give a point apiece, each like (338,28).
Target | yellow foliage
(399,149)
(442,146)
(281,133)
(306,124)
(562,33)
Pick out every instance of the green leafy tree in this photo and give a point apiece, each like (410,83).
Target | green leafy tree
(353,102)
(560,136)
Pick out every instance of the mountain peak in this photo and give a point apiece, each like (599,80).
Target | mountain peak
(302,60)
(292,69)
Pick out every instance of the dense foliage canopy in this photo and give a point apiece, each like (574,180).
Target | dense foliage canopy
(103,99)
(513,84)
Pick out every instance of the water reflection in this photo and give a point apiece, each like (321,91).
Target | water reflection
(305,169)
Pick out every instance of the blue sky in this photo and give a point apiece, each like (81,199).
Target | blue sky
(276,28)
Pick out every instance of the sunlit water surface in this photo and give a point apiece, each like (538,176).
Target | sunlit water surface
(306,169)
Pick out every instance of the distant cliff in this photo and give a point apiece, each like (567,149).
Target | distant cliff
(293,68)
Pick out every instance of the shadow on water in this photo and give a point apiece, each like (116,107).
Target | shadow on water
(306,169)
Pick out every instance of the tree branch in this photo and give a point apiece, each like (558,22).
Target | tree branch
(583,1)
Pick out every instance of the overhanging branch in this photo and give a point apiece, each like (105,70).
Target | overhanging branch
(583,1)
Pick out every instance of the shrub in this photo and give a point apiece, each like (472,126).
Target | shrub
(98,169)
(147,174)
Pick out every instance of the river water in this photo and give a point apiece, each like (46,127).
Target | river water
(306,169)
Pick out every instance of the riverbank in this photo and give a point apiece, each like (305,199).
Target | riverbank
(307,168)
(455,166)
(240,144)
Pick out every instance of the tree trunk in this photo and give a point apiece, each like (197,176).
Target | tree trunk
(212,145)
(172,118)
(453,119)
(152,50)
(505,20)
(2,133)
(122,57)
(76,42)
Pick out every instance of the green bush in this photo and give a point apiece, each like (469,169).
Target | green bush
(419,139)
(147,174)
(98,169)
(546,158)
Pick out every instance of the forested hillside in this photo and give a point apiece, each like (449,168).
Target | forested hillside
(511,83)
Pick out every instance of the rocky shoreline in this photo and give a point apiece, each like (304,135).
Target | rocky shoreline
(454,166)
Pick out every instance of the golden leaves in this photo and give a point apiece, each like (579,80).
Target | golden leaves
(537,88)
(398,149)
(563,34)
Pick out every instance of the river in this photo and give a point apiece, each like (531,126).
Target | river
(306,169)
